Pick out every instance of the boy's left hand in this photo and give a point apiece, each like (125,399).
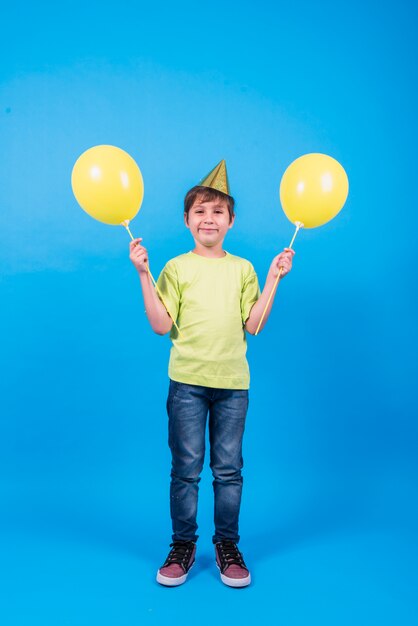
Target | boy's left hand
(284,260)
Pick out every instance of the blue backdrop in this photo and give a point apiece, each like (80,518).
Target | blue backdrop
(329,510)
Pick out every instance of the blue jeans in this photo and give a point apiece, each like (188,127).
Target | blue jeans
(187,408)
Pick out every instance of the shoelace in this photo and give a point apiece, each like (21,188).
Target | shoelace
(229,554)
(180,553)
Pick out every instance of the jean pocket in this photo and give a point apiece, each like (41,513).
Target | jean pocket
(174,386)
(172,392)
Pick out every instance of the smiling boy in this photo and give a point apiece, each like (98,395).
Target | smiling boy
(215,298)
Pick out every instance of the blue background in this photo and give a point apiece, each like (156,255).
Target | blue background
(329,511)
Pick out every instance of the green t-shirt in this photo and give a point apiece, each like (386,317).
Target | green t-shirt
(211,300)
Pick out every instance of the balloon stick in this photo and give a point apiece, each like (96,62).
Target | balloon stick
(299,225)
(126,225)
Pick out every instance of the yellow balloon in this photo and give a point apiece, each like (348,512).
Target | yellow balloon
(313,189)
(107,184)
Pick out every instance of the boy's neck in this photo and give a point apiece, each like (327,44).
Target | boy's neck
(213,252)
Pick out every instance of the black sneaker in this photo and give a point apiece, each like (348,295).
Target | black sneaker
(180,560)
(230,563)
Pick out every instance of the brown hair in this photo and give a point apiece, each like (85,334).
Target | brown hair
(206,194)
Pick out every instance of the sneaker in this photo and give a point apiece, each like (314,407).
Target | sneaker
(230,563)
(178,563)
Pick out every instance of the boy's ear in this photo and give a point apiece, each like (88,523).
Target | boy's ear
(231,223)
(185,219)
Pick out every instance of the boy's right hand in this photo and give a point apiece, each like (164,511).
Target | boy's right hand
(138,255)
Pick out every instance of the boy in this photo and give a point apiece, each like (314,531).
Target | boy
(214,297)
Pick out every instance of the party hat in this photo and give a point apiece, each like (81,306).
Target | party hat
(217,178)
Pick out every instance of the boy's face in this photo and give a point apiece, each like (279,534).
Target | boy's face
(209,222)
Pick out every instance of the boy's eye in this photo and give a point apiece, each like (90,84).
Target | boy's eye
(200,211)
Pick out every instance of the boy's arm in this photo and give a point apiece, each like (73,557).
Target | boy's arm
(284,260)
(158,317)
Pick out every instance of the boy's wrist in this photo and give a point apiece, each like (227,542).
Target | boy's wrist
(271,278)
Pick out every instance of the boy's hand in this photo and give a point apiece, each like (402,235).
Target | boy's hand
(284,260)
(138,255)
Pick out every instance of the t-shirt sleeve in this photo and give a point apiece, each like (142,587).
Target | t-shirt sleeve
(249,295)
(168,288)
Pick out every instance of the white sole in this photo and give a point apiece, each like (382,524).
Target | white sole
(172,582)
(234,582)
